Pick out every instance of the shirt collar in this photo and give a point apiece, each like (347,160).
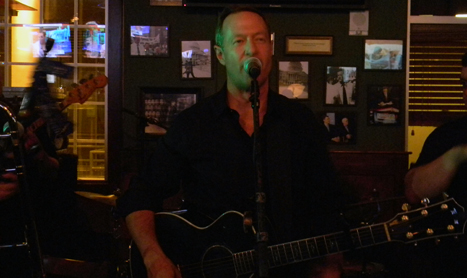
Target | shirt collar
(220,102)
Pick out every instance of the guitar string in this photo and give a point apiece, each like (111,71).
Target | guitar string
(247,265)
(363,237)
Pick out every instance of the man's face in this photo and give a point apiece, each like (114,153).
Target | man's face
(326,120)
(464,83)
(245,35)
(340,76)
(345,121)
(42,38)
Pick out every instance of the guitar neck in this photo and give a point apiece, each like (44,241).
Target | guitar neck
(310,248)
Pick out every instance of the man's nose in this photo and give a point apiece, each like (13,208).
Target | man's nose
(250,47)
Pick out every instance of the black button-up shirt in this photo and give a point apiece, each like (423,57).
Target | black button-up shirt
(207,152)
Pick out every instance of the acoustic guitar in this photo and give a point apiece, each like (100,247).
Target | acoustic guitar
(222,249)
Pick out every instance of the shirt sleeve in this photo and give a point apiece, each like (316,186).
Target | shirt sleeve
(161,178)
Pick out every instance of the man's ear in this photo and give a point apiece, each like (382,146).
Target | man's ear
(219,54)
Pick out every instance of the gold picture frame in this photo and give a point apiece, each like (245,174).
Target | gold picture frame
(308,45)
(165,2)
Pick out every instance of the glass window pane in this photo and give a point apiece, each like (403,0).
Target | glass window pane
(22,75)
(91,12)
(58,11)
(87,140)
(23,42)
(2,45)
(91,44)
(85,74)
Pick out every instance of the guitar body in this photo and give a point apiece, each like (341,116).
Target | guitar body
(198,251)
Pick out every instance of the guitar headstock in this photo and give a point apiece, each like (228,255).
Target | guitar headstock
(442,219)
(81,93)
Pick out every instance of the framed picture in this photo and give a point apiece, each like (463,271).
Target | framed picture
(384,104)
(308,45)
(341,86)
(160,106)
(149,41)
(196,59)
(384,54)
(293,79)
(165,2)
(340,127)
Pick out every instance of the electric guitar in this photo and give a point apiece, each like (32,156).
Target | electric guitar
(78,94)
(218,250)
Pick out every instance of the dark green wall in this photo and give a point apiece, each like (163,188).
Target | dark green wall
(387,20)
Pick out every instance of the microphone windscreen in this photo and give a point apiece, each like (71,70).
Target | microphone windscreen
(253,66)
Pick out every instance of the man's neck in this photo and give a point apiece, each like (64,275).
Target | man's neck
(240,101)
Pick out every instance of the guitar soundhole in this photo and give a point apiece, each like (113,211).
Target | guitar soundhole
(217,263)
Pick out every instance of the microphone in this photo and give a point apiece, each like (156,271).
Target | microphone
(252,66)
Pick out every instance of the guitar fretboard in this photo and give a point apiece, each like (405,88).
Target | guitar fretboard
(307,249)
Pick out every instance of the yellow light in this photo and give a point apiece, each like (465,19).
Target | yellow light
(461,15)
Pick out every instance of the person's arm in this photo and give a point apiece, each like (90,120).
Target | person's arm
(8,186)
(141,226)
(434,178)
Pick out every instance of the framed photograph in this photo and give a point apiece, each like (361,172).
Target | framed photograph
(165,2)
(340,127)
(160,106)
(384,54)
(341,86)
(149,41)
(308,45)
(196,59)
(384,104)
(293,79)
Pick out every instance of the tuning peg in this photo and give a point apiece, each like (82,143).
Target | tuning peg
(406,207)
(445,196)
(425,201)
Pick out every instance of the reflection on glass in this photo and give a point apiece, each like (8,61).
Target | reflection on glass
(91,44)
(58,11)
(92,11)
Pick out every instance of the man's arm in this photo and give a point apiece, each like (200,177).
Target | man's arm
(142,228)
(434,178)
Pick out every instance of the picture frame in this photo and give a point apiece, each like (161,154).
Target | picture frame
(161,105)
(341,86)
(340,128)
(384,104)
(384,55)
(293,79)
(196,59)
(149,41)
(165,2)
(308,45)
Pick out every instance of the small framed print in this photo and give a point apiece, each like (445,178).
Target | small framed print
(149,41)
(384,54)
(293,79)
(165,2)
(196,59)
(160,106)
(384,104)
(341,86)
(339,127)
(308,45)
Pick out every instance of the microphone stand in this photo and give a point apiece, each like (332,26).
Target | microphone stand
(262,236)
